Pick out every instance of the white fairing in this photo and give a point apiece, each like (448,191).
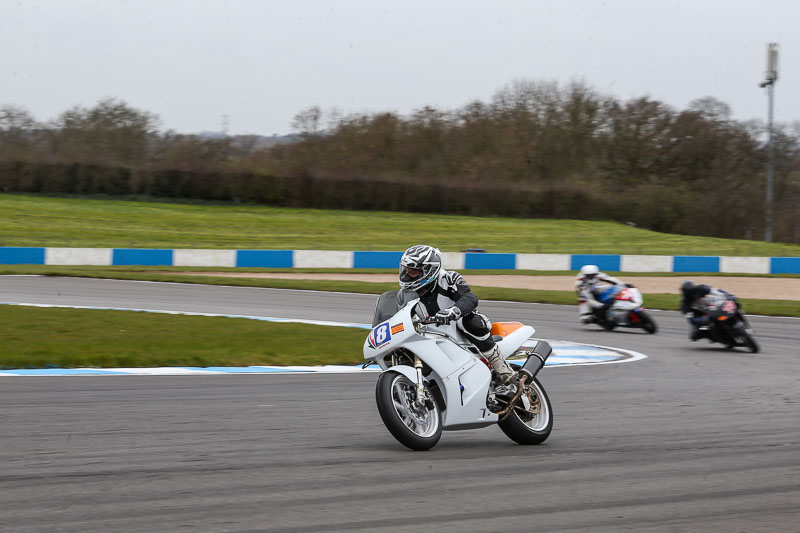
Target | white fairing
(629,298)
(515,339)
(457,368)
(622,307)
(628,304)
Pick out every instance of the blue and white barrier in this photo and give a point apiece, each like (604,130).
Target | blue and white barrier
(390,259)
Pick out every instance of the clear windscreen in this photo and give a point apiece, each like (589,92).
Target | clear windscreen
(391,302)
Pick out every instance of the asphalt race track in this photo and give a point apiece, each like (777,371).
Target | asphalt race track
(693,438)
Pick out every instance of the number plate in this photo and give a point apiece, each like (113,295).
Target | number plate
(380,335)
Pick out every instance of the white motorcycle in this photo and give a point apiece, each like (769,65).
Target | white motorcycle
(435,379)
(626,310)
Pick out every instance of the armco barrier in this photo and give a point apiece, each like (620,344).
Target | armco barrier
(390,259)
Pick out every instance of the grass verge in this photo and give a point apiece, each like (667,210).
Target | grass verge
(53,337)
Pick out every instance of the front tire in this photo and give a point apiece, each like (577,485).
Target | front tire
(414,427)
(607,324)
(749,342)
(538,428)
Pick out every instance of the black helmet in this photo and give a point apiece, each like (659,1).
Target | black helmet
(425,259)
(692,291)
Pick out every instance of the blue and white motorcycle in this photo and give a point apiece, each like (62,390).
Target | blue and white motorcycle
(435,379)
(626,308)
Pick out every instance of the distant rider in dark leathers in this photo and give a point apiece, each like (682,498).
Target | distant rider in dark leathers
(446,294)
(694,306)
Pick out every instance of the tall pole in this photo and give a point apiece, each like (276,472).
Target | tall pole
(769,83)
(770,152)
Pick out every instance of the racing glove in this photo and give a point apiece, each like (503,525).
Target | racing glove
(445,316)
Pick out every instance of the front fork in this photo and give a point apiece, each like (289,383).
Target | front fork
(422,397)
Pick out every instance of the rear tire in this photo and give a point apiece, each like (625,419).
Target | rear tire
(536,430)
(417,428)
(648,323)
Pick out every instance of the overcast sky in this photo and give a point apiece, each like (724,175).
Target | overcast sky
(261,62)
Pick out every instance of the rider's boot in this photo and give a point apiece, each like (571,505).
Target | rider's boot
(499,364)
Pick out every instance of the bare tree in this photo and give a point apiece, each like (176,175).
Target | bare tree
(307,122)
(109,133)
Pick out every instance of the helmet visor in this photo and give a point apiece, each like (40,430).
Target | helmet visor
(413,273)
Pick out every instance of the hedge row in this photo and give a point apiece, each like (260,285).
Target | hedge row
(312,192)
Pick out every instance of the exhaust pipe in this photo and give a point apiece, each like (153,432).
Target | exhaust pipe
(536,358)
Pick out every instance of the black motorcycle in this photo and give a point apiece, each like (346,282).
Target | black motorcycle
(727,324)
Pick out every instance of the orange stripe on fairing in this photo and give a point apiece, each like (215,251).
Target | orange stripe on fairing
(505,328)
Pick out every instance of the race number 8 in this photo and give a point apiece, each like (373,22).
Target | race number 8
(382,333)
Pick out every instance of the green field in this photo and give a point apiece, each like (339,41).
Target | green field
(27,220)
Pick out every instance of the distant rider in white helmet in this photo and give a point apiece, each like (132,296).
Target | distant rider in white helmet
(587,279)
(445,294)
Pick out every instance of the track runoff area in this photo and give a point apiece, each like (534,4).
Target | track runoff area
(564,354)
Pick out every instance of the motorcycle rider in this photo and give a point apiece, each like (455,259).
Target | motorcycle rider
(587,279)
(694,306)
(445,293)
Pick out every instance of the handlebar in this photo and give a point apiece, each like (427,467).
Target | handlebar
(435,320)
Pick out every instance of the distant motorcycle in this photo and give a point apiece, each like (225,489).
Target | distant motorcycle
(627,308)
(727,324)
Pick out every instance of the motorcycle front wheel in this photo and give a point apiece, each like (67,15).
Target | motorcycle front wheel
(608,325)
(524,429)
(416,427)
(748,341)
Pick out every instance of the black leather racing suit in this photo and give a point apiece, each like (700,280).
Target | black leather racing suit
(452,290)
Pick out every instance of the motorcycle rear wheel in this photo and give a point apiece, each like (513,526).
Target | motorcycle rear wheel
(536,430)
(414,427)
(648,323)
